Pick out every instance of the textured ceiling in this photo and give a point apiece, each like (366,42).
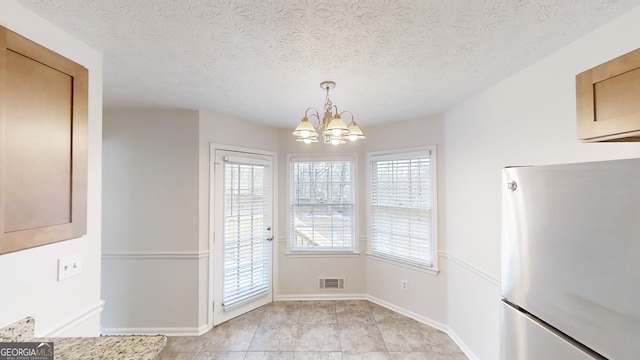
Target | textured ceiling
(263,60)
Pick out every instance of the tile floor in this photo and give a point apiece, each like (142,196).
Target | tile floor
(316,330)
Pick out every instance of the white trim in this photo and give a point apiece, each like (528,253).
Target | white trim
(465,349)
(175,255)
(473,269)
(410,314)
(353,157)
(412,151)
(213,147)
(283,240)
(323,254)
(323,297)
(172,331)
(432,270)
(74,321)
(435,238)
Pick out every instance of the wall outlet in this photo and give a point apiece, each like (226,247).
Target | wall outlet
(69,266)
(404,285)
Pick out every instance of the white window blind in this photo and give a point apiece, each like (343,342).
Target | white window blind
(401,207)
(246,255)
(321,204)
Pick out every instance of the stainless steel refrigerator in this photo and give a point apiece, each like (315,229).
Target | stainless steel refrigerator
(571,261)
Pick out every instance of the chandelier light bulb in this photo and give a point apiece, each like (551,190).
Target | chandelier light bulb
(331,126)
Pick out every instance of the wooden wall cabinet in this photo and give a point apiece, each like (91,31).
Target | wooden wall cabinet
(608,100)
(43,145)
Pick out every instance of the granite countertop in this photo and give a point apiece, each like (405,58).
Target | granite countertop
(126,347)
(130,347)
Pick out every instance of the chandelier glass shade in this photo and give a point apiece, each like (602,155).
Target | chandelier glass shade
(331,128)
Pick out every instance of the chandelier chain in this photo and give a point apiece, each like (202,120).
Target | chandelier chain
(328,105)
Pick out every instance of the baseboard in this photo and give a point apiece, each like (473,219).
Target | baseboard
(75,320)
(465,349)
(172,331)
(405,312)
(410,314)
(331,296)
(156,255)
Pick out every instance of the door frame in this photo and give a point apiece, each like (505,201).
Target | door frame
(213,147)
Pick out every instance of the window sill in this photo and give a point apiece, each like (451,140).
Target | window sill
(433,269)
(322,254)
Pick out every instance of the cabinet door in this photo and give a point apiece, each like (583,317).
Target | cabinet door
(43,162)
(608,100)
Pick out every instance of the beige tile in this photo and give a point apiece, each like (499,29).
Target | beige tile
(449,347)
(271,337)
(319,303)
(367,356)
(315,312)
(227,355)
(269,355)
(384,315)
(285,304)
(355,317)
(282,313)
(317,330)
(360,338)
(319,338)
(410,336)
(170,355)
(186,343)
(317,355)
(355,312)
(354,305)
(426,356)
(230,337)
(251,318)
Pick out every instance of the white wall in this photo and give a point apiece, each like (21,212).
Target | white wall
(151,253)
(28,285)
(222,131)
(527,119)
(426,298)
(298,275)
(367,277)
(156,275)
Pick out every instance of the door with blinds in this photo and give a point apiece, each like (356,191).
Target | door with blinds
(243,233)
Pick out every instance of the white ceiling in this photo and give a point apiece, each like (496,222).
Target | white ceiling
(264,60)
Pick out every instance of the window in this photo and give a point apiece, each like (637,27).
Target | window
(402,213)
(321,203)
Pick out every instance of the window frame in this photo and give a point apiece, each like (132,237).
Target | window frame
(399,154)
(324,252)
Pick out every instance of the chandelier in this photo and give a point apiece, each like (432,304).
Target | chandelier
(332,128)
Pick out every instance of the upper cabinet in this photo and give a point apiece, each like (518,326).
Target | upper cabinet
(608,100)
(43,147)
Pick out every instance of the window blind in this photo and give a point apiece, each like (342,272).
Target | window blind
(401,207)
(246,255)
(321,205)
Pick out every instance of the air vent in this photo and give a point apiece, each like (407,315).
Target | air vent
(331,283)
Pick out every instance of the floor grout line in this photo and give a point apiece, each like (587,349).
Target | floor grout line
(284,325)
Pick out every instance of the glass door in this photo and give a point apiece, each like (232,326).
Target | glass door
(243,233)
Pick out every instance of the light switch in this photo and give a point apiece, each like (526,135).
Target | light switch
(69,266)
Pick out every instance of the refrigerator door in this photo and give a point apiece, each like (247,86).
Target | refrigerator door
(571,247)
(527,339)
